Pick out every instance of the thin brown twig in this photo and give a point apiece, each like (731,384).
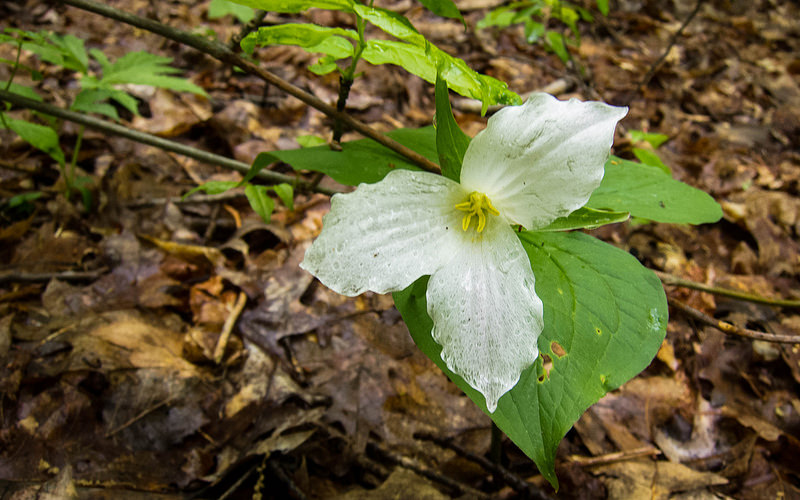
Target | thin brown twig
(670,279)
(225,54)
(514,481)
(23,277)
(617,456)
(673,40)
(227,327)
(732,329)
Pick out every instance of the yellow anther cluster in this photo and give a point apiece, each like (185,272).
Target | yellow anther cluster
(476,205)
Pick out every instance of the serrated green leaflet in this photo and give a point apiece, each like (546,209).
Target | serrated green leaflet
(295,6)
(451,141)
(605,317)
(649,193)
(141,68)
(359,161)
(586,218)
(39,136)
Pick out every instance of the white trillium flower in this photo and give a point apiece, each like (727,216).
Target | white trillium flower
(532,164)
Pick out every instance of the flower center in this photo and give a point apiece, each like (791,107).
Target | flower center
(476,205)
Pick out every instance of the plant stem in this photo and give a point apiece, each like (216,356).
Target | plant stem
(669,279)
(496,448)
(69,177)
(226,55)
(151,140)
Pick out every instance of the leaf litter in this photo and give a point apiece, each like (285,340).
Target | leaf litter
(111,382)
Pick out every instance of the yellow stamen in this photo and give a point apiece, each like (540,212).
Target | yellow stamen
(477,205)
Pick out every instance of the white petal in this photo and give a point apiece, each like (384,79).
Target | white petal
(384,236)
(486,314)
(541,160)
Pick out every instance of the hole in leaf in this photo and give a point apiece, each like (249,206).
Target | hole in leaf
(547,365)
(556,349)
(597,330)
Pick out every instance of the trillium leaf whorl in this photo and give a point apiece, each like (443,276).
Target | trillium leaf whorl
(532,164)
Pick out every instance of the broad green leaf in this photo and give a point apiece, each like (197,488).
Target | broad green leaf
(142,68)
(222,8)
(605,317)
(444,8)
(651,138)
(502,17)
(212,187)
(260,201)
(23,199)
(602,6)
(312,38)
(533,31)
(295,6)
(39,136)
(286,194)
(451,141)
(649,157)
(649,193)
(428,61)
(358,161)
(586,218)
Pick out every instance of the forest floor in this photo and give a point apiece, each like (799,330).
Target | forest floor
(110,318)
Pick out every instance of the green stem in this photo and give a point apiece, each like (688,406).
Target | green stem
(348,77)
(14,68)
(496,449)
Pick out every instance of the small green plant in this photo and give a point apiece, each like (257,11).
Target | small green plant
(100,82)
(535,16)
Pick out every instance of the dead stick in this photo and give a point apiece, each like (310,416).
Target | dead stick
(731,329)
(610,458)
(227,327)
(669,279)
(226,55)
(23,277)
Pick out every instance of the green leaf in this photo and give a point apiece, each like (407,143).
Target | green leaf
(359,161)
(212,187)
(92,101)
(222,8)
(428,61)
(444,8)
(649,157)
(451,141)
(309,141)
(653,139)
(602,6)
(315,39)
(555,42)
(142,68)
(73,50)
(533,31)
(260,201)
(649,193)
(295,6)
(605,316)
(22,90)
(586,218)
(38,136)
(286,194)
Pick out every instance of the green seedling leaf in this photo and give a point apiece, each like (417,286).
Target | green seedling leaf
(605,317)
(334,42)
(286,194)
(73,51)
(260,201)
(358,161)
(140,68)
(555,42)
(586,218)
(212,187)
(647,192)
(309,141)
(444,8)
(451,141)
(649,157)
(222,8)
(602,6)
(93,101)
(39,136)
(653,139)
(22,90)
